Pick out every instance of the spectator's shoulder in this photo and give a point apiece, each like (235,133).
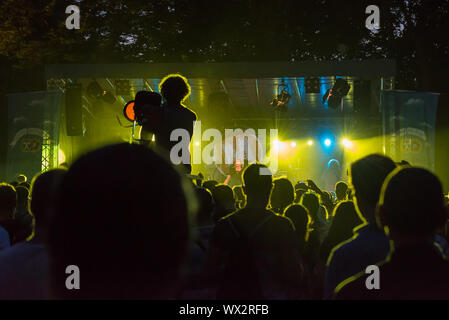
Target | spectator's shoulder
(340,249)
(190,112)
(355,287)
(226,218)
(285,221)
(351,288)
(223,225)
(282,225)
(222,231)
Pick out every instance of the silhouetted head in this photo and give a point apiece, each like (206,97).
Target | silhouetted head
(210,184)
(367,176)
(341,229)
(223,194)
(21,178)
(300,189)
(326,199)
(301,185)
(333,165)
(311,202)
(341,189)
(344,221)
(8,201)
(206,205)
(224,200)
(412,203)
(44,189)
(257,186)
(299,215)
(174,88)
(282,195)
(122,218)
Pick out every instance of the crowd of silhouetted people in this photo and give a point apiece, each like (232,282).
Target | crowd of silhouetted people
(137,228)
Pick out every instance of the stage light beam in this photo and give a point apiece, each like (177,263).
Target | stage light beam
(348,144)
(279,145)
(61,156)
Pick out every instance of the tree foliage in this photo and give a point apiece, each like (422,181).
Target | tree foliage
(114,31)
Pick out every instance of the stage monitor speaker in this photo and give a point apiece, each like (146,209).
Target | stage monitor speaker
(73,108)
(362,96)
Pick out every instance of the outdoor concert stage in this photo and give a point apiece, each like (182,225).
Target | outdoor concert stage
(83,108)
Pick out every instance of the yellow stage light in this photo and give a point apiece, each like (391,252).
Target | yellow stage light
(347,143)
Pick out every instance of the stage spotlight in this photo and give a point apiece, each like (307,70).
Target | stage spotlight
(94,91)
(197,143)
(335,95)
(128,111)
(347,143)
(61,156)
(281,100)
(293,144)
(279,145)
(310,143)
(327,142)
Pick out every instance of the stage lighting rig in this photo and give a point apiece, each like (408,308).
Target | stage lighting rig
(282,99)
(122,88)
(335,95)
(145,105)
(312,85)
(95,92)
(128,111)
(108,97)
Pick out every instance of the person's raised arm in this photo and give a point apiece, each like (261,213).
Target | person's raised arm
(314,187)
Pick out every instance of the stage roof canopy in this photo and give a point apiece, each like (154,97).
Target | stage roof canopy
(248,85)
(366,69)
